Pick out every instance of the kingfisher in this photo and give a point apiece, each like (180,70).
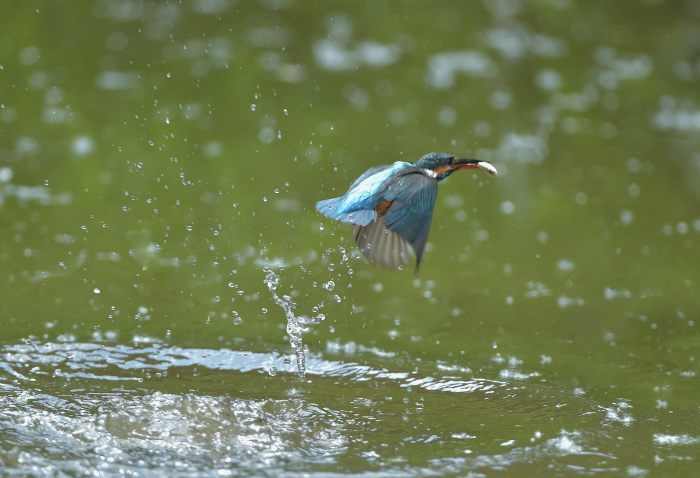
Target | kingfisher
(390,207)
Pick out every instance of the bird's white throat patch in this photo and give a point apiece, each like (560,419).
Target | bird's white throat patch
(430,173)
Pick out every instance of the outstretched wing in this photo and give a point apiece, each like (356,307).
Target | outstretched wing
(368,173)
(403,222)
(357,205)
(332,208)
(381,246)
(412,199)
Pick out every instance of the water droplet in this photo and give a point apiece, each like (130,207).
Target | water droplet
(507,207)
(633,190)
(272,371)
(566,265)
(294,324)
(626,217)
(329,286)
(96,290)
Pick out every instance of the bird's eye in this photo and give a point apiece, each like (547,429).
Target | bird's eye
(452,159)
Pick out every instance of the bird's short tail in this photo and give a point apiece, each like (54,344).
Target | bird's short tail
(331,208)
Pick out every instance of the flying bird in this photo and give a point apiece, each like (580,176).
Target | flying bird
(390,207)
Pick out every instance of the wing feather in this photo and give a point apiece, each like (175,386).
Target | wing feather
(411,212)
(361,213)
(380,245)
(368,173)
(386,240)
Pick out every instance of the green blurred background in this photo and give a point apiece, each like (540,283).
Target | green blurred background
(157,157)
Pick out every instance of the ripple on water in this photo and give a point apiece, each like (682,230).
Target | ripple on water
(180,432)
(112,407)
(106,362)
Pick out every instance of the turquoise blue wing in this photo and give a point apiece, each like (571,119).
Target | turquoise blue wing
(412,199)
(333,209)
(357,205)
(368,173)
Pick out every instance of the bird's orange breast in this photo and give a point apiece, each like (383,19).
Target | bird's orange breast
(383,207)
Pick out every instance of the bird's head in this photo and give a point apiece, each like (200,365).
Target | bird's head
(444,164)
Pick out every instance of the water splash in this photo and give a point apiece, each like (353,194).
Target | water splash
(118,427)
(295,327)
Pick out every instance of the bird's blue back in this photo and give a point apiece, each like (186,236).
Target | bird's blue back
(365,193)
(357,205)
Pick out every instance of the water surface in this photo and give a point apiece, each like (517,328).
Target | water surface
(159,162)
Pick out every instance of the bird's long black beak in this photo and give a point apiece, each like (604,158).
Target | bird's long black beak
(464,163)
